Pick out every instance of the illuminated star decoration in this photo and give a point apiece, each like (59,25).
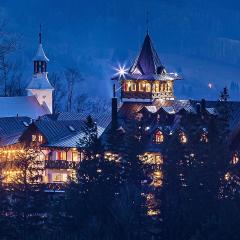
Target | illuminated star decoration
(121,71)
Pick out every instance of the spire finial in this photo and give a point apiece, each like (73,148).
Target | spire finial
(147,21)
(40,34)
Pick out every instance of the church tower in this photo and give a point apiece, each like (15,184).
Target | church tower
(147,79)
(40,86)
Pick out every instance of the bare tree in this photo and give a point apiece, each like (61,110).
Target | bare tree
(73,77)
(58,93)
(9,43)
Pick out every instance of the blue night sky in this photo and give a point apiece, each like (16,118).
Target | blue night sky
(198,38)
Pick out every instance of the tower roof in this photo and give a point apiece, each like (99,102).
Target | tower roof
(41,82)
(148,61)
(40,55)
(147,66)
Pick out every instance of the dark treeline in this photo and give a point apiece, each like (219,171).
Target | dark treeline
(193,194)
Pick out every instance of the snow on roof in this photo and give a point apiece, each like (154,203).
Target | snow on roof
(11,128)
(40,55)
(21,106)
(40,81)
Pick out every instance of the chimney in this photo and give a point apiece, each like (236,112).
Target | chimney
(198,108)
(203,105)
(114,108)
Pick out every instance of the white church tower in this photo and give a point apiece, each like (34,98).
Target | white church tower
(40,86)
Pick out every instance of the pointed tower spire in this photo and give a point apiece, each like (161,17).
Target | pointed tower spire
(40,86)
(40,34)
(148,61)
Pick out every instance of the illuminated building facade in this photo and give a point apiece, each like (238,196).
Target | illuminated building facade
(146,94)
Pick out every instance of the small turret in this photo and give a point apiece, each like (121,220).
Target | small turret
(40,85)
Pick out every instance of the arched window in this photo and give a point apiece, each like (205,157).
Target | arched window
(133,87)
(148,87)
(235,158)
(159,138)
(183,137)
(127,86)
(156,87)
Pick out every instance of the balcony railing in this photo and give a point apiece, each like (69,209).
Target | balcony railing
(60,164)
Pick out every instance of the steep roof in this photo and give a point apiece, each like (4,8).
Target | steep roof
(148,66)
(148,61)
(21,106)
(130,110)
(11,128)
(62,133)
(40,81)
(40,54)
(102,119)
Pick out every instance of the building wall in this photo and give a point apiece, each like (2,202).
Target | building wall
(43,97)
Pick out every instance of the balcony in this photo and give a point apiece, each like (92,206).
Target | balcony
(60,164)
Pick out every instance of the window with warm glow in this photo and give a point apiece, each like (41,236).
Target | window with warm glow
(235,158)
(141,86)
(61,155)
(127,86)
(133,87)
(75,156)
(156,87)
(183,137)
(148,87)
(56,177)
(34,138)
(159,138)
(40,138)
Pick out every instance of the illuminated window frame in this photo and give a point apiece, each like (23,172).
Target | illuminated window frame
(183,138)
(159,137)
(141,86)
(235,159)
(148,87)
(156,87)
(133,87)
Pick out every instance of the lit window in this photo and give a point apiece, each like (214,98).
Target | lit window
(126,86)
(40,138)
(142,86)
(159,138)
(158,159)
(156,87)
(59,177)
(183,137)
(134,87)
(235,159)
(75,156)
(34,138)
(61,155)
(148,87)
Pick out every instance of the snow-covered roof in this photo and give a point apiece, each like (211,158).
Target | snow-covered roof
(21,106)
(40,55)
(11,128)
(40,81)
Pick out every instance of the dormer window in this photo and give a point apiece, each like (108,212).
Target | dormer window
(183,137)
(235,158)
(40,138)
(34,138)
(159,138)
